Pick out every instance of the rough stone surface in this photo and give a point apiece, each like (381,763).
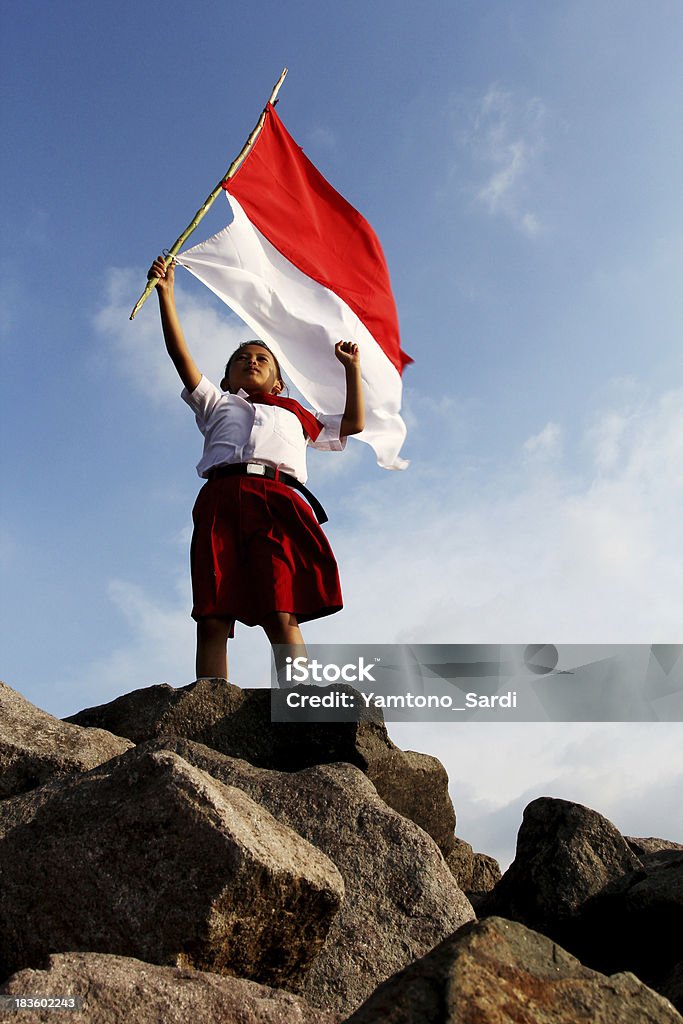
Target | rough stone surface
(34,746)
(636,924)
(486,873)
(652,850)
(121,990)
(400,900)
(475,873)
(415,785)
(496,972)
(460,859)
(565,854)
(238,723)
(672,986)
(149,857)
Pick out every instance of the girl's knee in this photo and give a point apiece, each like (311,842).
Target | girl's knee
(280,620)
(213,628)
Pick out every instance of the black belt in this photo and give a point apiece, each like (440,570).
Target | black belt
(257,469)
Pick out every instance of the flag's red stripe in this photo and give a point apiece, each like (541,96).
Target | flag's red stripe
(299,212)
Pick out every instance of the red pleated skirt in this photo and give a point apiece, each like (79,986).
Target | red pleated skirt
(257,548)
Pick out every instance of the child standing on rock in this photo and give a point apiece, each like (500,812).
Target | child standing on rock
(258,554)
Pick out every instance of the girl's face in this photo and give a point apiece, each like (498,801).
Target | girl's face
(253,368)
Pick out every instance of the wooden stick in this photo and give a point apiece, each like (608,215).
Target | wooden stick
(232,170)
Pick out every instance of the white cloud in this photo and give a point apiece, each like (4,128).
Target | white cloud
(321,138)
(138,347)
(515,555)
(504,139)
(546,443)
(606,437)
(159,648)
(628,772)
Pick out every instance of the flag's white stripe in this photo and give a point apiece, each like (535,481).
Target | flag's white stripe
(301,320)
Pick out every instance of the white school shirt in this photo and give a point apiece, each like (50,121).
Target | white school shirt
(237,430)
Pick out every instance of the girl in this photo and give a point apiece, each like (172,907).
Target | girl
(258,554)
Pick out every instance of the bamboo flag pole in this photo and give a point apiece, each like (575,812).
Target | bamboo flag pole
(232,169)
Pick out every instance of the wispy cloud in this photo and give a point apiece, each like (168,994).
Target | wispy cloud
(321,139)
(503,138)
(138,349)
(528,549)
(547,443)
(585,762)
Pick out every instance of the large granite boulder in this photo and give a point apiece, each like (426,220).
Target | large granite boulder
(121,990)
(498,971)
(150,857)
(400,897)
(238,723)
(636,924)
(34,746)
(565,854)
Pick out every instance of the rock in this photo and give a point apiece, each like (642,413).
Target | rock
(497,971)
(238,723)
(486,873)
(400,900)
(636,923)
(653,851)
(475,873)
(149,857)
(118,990)
(671,986)
(565,854)
(34,746)
(415,785)
(460,860)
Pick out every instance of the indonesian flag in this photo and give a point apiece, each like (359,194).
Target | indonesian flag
(304,270)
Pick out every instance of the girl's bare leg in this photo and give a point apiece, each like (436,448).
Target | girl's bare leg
(212,648)
(282,629)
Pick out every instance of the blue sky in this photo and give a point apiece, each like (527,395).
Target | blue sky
(521,164)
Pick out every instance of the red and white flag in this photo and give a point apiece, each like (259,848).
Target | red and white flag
(305,270)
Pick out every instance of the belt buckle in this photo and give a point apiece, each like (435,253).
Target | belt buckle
(255,469)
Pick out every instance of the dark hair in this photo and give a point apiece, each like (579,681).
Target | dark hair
(244,344)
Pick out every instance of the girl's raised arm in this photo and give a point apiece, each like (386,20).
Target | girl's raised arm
(353,419)
(176,346)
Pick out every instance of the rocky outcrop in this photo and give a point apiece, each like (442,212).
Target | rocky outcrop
(120,990)
(616,904)
(565,854)
(150,857)
(289,869)
(35,747)
(400,899)
(636,922)
(498,971)
(652,850)
(238,723)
